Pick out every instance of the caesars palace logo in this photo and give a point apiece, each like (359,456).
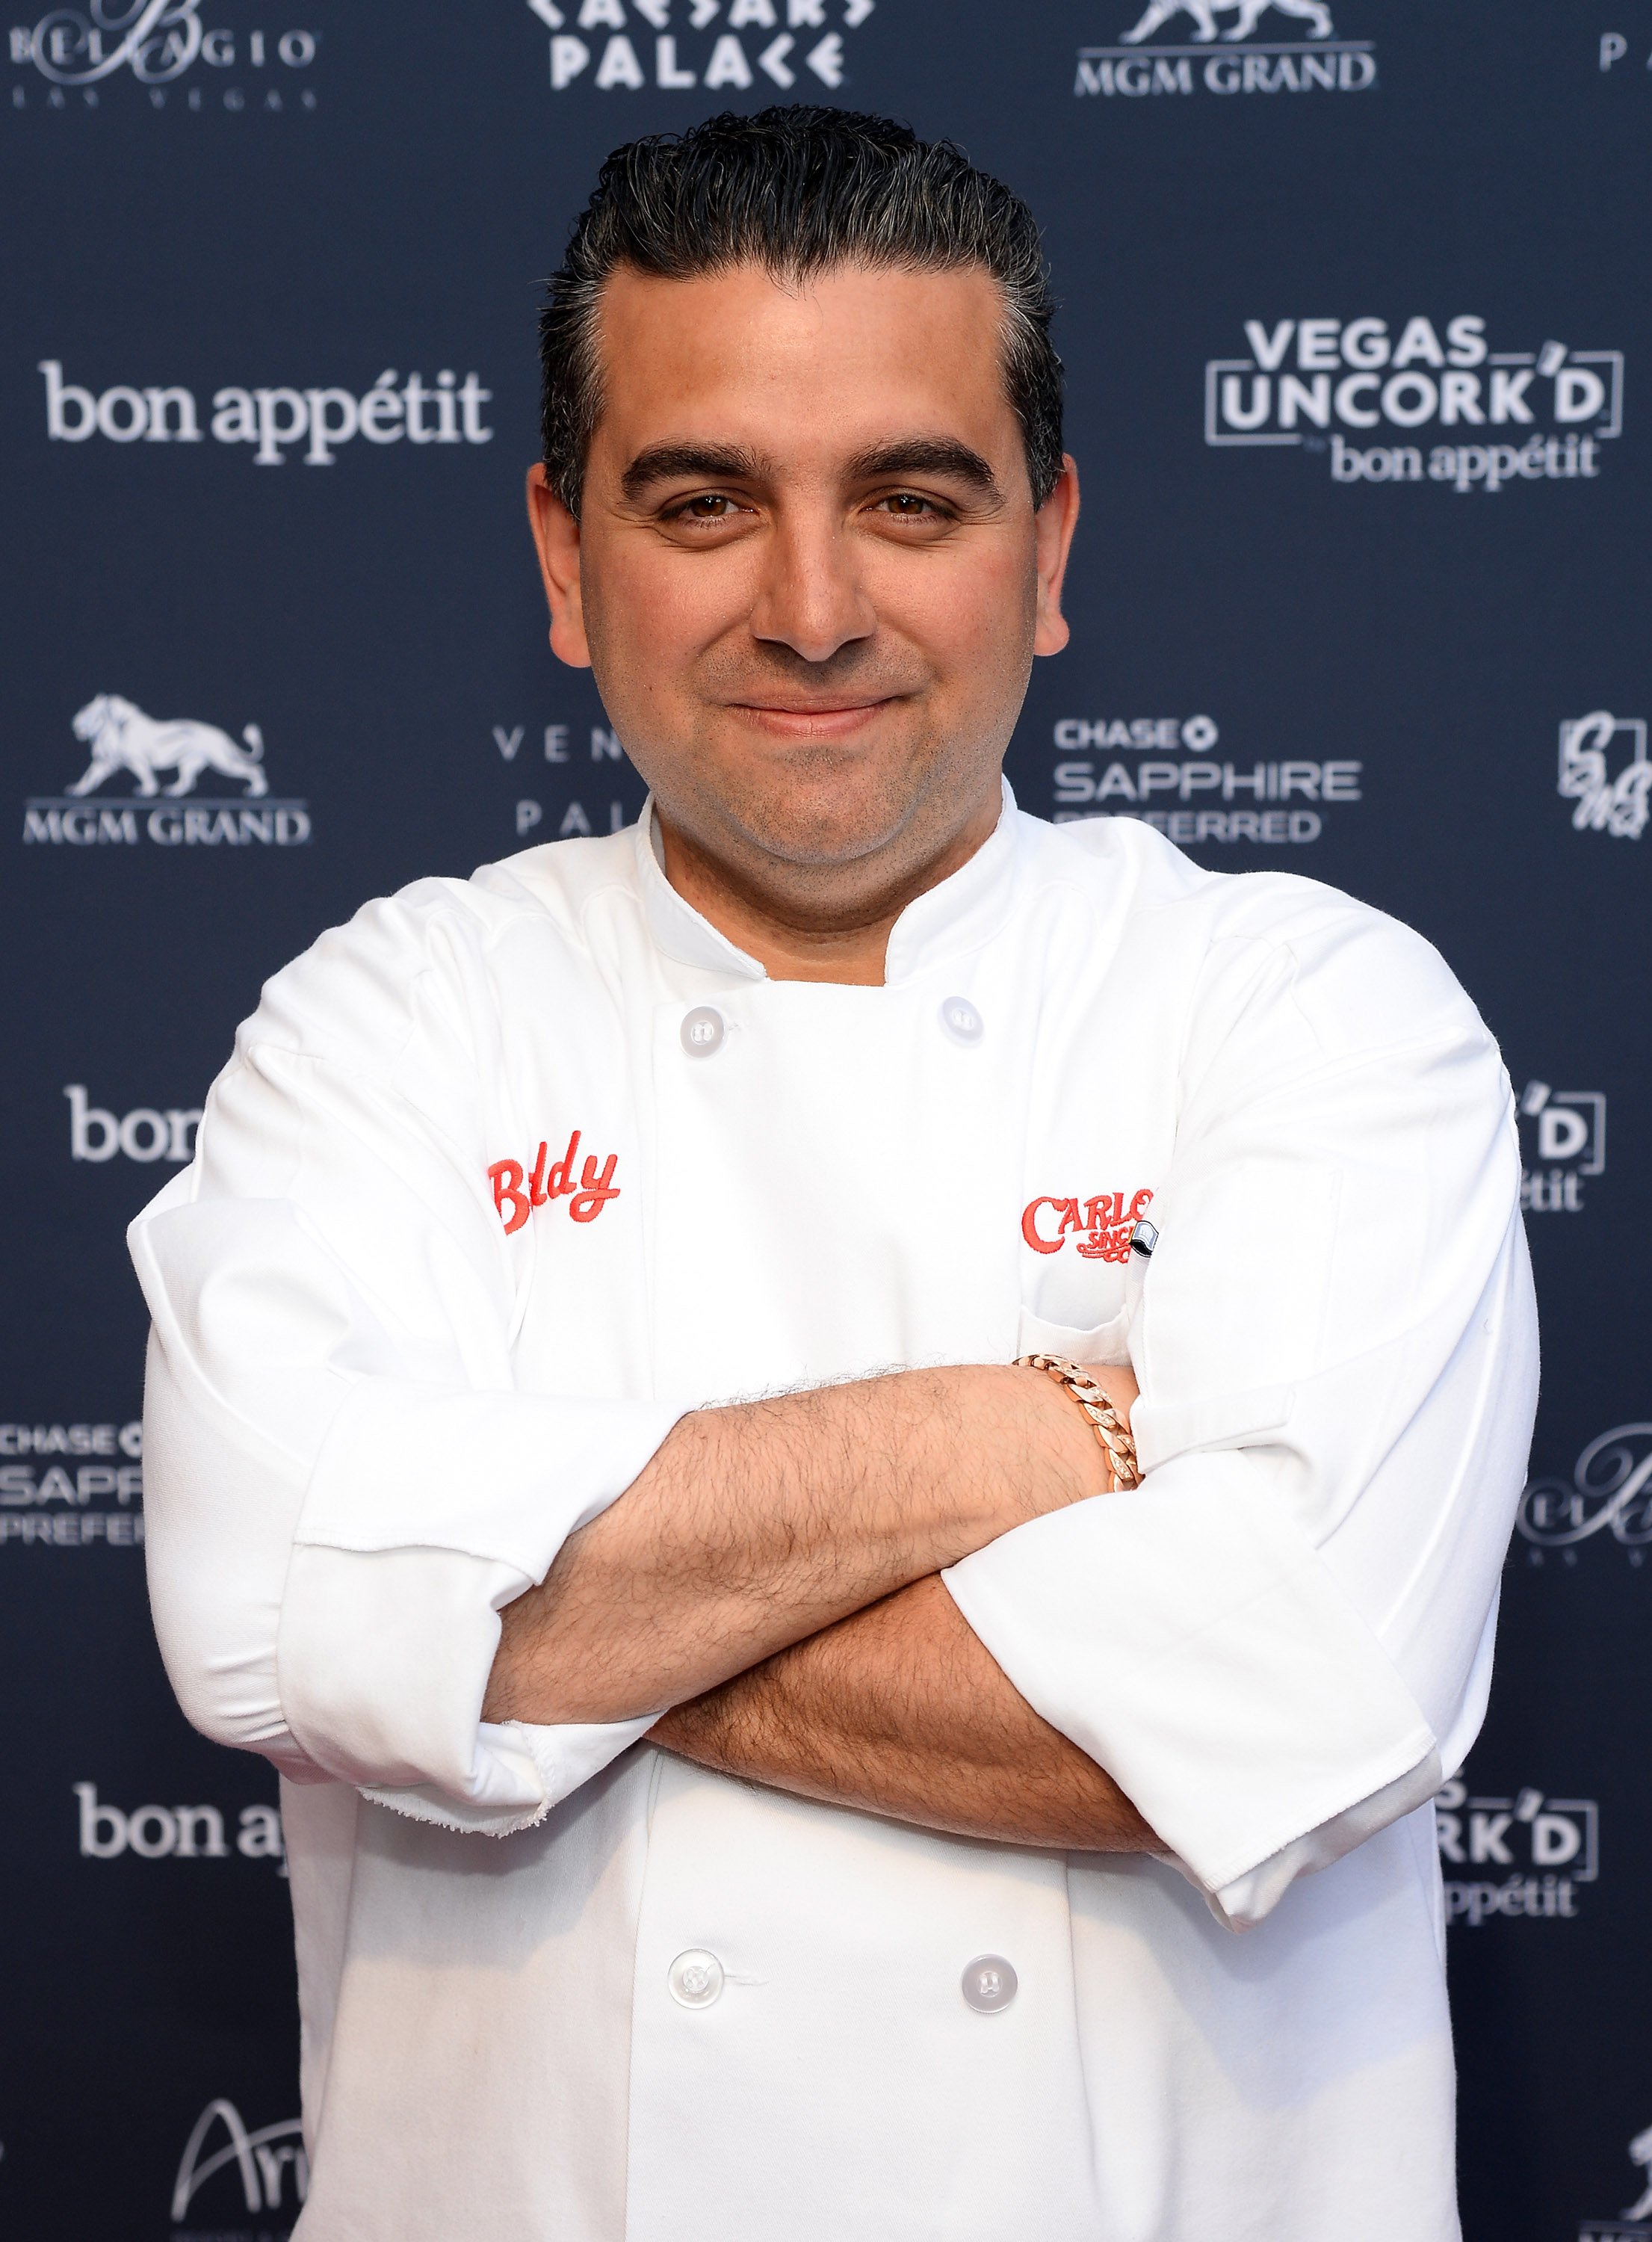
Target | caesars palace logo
(1297,53)
(1166,771)
(1416,400)
(608,46)
(162,48)
(124,743)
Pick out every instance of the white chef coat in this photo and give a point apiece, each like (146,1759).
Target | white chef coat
(408,1336)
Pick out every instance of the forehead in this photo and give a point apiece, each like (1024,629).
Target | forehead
(832,363)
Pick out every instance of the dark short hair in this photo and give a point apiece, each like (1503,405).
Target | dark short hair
(798,190)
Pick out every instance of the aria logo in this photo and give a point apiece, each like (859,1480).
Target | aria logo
(1608,801)
(1563,1140)
(1273,795)
(122,738)
(672,43)
(1546,1846)
(269,2165)
(1320,62)
(155,44)
(1608,1494)
(1513,416)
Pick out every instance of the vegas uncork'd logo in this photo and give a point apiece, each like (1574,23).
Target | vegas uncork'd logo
(1417,399)
(607,46)
(125,742)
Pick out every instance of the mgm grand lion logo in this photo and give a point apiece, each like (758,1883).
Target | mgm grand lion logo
(122,738)
(1204,12)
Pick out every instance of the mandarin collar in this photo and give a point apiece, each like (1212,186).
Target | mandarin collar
(960,914)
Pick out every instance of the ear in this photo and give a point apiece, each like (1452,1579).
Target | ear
(1053,525)
(556,537)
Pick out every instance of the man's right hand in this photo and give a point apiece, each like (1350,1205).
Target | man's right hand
(757,1524)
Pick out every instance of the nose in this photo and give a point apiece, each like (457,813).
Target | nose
(810,598)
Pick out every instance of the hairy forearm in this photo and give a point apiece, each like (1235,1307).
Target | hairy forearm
(757,1524)
(902,1710)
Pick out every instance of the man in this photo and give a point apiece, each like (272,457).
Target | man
(880,1777)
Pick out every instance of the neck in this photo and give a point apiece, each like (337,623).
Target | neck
(844,939)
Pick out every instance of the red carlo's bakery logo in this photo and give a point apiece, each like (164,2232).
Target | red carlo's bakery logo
(1102,1225)
(518,1189)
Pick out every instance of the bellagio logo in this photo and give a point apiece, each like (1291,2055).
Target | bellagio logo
(155,44)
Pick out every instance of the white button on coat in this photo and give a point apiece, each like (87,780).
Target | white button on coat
(703,1031)
(990,1984)
(961,1021)
(466,1232)
(695,1978)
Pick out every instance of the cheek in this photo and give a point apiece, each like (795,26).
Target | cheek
(654,609)
(971,610)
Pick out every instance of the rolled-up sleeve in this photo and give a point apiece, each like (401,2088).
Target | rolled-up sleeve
(1279,1640)
(344,1484)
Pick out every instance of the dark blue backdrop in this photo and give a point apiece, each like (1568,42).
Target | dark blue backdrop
(1355,312)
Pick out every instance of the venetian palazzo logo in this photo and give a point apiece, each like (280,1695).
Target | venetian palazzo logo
(1524,1856)
(1608,1496)
(156,44)
(1563,1142)
(1507,417)
(1321,63)
(678,45)
(125,742)
(1633,2226)
(268,2166)
(1604,772)
(1197,798)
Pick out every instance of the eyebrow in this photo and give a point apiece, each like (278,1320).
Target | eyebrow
(900,456)
(661,463)
(925,455)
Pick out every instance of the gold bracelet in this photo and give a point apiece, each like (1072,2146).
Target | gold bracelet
(1107,1425)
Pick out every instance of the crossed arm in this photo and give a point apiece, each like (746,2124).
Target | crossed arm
(771,1578)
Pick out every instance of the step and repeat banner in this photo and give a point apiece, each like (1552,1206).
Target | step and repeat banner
(1355,317)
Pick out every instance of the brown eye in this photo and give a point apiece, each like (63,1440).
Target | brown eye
(712,507)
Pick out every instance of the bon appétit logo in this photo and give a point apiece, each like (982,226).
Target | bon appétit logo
(1417,399)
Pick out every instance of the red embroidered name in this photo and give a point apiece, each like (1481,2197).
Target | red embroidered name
(516,1192)
(1102,1224)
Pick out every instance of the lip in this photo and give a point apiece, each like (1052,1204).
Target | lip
(836,721)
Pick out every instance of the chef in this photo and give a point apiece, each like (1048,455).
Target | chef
(779,1735)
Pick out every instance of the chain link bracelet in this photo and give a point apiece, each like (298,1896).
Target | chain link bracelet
(1107,1425)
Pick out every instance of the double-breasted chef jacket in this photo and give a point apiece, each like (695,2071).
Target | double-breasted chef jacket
(508,1173)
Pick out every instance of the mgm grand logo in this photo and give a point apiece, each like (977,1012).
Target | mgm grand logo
(125,743)
(1321,63)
